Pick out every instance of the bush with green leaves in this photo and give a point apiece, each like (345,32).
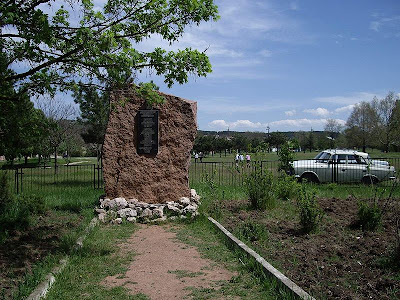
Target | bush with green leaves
(309,210)
(260,189)
(369,215)
(286,187)
(252,231)
(286,157)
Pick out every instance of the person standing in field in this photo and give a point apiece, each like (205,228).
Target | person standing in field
(241,158)
(237,159)
(248,159)
(196,157)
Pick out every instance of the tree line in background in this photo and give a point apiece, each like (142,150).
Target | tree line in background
(374,124)
(52,128)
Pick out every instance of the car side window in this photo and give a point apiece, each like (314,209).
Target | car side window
(324,157)
(341,159)
(351,159)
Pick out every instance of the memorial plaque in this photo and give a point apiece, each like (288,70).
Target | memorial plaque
(147,139)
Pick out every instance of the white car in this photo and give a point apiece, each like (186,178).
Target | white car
(338,165)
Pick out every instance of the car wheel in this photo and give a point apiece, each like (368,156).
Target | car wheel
(308,177)
(369,180)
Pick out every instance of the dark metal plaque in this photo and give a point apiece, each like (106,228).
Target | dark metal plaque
(147,139)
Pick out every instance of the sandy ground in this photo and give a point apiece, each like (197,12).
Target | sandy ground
(164,267)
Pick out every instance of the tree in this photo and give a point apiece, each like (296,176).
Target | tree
(395,125)
(95,46)
(239,142)
(61,127)
(385,127)
(310,140)
(333,128)
(361,125)
(22,127)
(94,106)
(276,139)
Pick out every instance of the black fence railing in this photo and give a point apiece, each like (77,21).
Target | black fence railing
(47,177)
(383,170)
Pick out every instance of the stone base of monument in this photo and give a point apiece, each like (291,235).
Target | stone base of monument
(118,209)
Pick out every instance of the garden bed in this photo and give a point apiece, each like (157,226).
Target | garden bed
(340,261)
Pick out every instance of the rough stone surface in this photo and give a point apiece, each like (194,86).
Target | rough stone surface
(135,211)
(148,178)
(194,197)
(184,201)
(146,213)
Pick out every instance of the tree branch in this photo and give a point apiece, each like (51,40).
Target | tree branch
(44,65)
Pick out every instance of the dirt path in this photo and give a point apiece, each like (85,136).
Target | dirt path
(164,267)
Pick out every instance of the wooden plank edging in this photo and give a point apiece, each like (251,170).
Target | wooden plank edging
(294,288)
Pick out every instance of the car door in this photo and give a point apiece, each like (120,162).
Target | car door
(322,168)
(356,168)
(339,168)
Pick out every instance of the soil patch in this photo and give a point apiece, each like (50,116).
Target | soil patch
(339,262)
(24,249)
(165,268)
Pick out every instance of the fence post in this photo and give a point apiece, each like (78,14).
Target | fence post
(21,178)
(94,176)
(16,178)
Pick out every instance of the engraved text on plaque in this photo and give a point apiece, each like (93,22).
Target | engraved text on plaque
(147,132)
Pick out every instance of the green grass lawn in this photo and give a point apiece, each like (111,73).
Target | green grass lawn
(49,237)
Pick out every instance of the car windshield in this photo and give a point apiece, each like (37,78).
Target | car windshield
(322,157)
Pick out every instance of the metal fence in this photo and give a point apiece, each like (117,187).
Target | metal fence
(231,173)
(32,179)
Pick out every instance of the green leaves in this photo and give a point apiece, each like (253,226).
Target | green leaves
(103,47)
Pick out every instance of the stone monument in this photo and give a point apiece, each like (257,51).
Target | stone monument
(146,151)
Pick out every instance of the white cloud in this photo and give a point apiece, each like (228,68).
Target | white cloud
(344,109)
(301,124)
(237,125)
(388,25)
(281,125)
(374,26)
(352,99)
(290,113)
(323,112)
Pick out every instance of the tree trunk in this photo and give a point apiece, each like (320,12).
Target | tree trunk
(55,159)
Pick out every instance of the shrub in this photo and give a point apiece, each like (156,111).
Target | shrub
(286,187)
(369,215)
(286,157)
(260,189)
(252,231)
(310,213)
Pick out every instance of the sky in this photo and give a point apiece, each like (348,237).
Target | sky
(287,65)
(290,65)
